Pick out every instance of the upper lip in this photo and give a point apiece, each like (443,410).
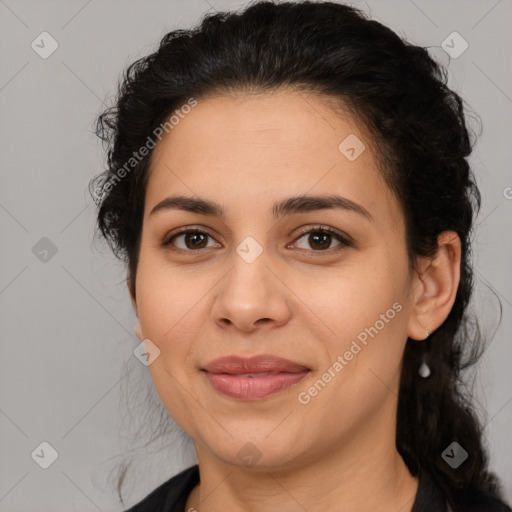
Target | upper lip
(258,364)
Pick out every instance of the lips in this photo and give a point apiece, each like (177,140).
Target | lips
(235,365)
(253,378)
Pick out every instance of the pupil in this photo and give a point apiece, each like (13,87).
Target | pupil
(317,236)
(194,237)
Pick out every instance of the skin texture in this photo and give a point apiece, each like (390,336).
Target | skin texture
(296,300)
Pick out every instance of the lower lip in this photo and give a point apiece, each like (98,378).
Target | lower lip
(253,388)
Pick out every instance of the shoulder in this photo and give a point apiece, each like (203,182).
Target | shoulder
(167,496)
(432,496)
(480,502)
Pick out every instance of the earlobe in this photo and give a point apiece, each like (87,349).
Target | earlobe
(138,328)
(436,287)
(131,290)
(138,332)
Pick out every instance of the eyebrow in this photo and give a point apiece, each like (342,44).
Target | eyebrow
(290,206)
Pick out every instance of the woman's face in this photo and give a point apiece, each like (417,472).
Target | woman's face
(257,285)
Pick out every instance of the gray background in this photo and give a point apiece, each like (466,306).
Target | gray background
(66,323)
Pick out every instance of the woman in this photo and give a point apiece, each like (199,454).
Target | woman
(289,188)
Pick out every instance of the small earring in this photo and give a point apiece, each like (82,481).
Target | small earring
(424,370)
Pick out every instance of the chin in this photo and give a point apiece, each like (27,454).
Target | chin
(257,452)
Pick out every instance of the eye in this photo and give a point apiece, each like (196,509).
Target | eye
(192,239)
(320,239)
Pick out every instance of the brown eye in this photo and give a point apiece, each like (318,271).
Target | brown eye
(191,239)
(320,239)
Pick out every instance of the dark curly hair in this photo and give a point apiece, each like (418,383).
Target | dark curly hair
(401,95)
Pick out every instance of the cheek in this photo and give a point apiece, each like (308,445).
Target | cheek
(173,312)
(367,313)
(363,364)
(164,297)
(168,318)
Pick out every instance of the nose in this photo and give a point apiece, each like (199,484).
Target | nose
(251,296)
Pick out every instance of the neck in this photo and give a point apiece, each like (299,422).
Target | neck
(366,474)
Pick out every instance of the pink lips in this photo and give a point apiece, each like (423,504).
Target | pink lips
(253,378)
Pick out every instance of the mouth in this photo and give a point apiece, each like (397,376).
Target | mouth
(253,378)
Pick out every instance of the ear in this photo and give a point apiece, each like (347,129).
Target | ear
(435,287)
(138,328)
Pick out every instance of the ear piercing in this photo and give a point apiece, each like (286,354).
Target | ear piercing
(424,370)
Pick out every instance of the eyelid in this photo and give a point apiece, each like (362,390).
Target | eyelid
(344,239)
(181,231)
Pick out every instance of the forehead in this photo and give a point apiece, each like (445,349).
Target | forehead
(262,147)
(295,121)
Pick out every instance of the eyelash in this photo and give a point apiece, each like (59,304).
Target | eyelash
(345,242)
